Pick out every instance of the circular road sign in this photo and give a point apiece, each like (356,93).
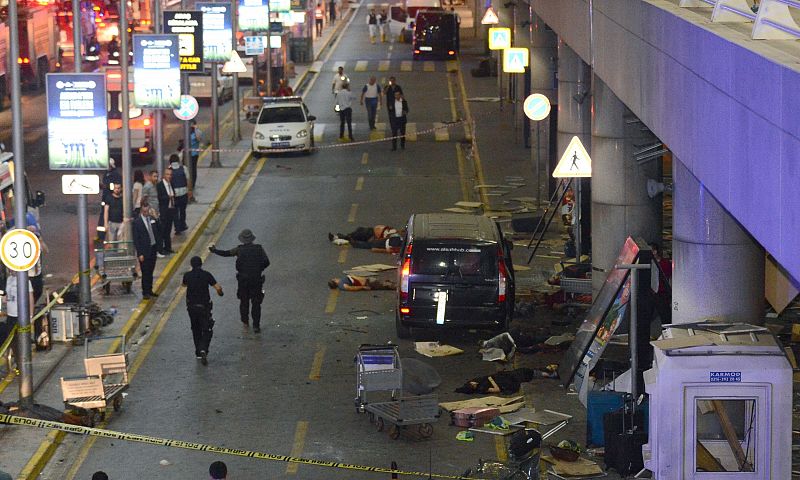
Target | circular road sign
(188,109)
(536,107)
(20,249)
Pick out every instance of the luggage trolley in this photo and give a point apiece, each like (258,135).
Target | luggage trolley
(118,264)
(102,386)
(378,368)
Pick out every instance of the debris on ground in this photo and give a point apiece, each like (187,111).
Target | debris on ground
(503,404)
(506,382)
(500,347)
(435,349)
(419,378)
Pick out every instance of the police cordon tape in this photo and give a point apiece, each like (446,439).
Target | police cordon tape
(130,437)
(444,126)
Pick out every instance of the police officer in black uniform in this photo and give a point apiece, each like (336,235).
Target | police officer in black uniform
(251,261)
(198,304)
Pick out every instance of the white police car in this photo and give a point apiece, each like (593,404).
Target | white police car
(283,124)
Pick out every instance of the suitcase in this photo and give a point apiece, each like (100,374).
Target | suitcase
(473,416)
(623,450)
(598,404)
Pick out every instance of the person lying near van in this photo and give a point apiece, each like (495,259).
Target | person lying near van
(364,234)
(505,382)
(355,283)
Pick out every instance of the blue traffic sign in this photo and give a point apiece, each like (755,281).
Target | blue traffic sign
(536,107)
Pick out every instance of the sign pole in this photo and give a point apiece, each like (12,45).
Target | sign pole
(237,134)
(20,210)
(187,129)
(269,53)
(84,282)
(127,183)
(214,118)
(158,116)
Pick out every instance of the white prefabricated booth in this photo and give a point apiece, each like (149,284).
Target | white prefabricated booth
(720,404)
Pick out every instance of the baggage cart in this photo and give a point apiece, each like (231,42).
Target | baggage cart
(106,378)
(421,411)
(377,370)
(119,264)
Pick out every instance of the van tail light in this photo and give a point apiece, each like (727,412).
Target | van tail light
(502,279)
(405,310)
(404,273)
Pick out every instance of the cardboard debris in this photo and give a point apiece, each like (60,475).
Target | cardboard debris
(435,349)
(521,268)
(520,416)
(375,267)
(361,273)
(458,210)
(580,468)
(504,404)
(559,339)
(493,431)
(469,204)
(682,342)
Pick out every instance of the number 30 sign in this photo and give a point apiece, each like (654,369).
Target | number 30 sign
(20,249)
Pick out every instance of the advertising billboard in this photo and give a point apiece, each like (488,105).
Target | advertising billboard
(156,71)
(217,32)
(189,28)
(77,132)
(253,15)
(280,5)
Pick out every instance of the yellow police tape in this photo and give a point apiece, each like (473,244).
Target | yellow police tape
(8,341)
(99,432)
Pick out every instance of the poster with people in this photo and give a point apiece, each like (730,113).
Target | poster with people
(156,71)
(77,128)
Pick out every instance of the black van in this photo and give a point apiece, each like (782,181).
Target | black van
(436,33)
(463,257)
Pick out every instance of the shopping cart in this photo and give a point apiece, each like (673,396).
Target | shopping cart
(117,262)
(377,370)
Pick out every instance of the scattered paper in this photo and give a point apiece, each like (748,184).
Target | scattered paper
(522,415)
(559,339)
(494,431)
(466,204)
(435,349)
(458,210)
(501,403)
(375,267)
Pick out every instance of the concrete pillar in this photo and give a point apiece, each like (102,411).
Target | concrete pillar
(718,269)
(574,112)
(543,44)
(620,204)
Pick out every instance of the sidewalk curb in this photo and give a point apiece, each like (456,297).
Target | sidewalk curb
(49,445)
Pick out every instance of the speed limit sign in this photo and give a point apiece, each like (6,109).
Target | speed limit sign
(20,249)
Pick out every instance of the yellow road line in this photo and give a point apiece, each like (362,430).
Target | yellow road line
(383,65)
(428,66)
(406,66)
(361,66)
(452,96)
(148,345)
(462,174)
(364,158)
(343,255)
(330,306)
(299,444)
(351,217)
(316,364)
(452,66)
(359,183)
(468,130)
(441,134)
(379,133)
(43,455)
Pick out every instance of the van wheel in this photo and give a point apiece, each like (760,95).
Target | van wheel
(403,331)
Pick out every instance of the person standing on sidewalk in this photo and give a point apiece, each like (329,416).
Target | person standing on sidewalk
(371,97)
(145,240)
(166,202)
(344,100)
(332,12)
(398,112)
(383,22)
(180,184)
(198,305)
(319,17)
(251,261)
(372,22)
(112,215)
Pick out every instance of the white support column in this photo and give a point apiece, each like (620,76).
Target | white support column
(732,11)
(718,269)
(775,21)
(621,206)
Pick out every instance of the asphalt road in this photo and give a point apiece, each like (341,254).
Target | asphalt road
(290,389)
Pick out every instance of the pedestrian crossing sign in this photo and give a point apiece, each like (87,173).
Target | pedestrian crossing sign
(575,163)
(499,38)
(515,60)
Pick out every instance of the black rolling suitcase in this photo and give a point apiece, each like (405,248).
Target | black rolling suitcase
(623,445)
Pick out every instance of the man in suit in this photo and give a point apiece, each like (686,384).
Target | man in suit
(167,209)
(145,241)
(398,111)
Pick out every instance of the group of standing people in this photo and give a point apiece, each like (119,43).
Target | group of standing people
(377,23)
(371,98)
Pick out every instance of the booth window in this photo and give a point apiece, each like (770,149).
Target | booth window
(726,434)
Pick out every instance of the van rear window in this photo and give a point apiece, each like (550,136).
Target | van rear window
(455,260)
